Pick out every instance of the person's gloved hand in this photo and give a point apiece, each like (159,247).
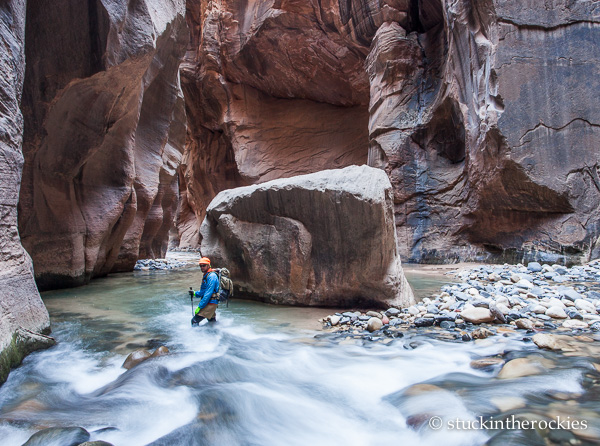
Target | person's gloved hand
(197,310)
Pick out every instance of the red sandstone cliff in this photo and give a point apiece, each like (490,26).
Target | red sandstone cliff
(481,112)
(23,316)
(104,133)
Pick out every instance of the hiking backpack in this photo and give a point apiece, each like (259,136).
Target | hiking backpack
(225,284)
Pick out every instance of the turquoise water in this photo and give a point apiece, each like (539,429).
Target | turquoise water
(261,377)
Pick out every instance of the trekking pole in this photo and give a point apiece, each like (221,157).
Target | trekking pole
(192,300)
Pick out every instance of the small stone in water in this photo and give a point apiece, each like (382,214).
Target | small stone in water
(392,312)
(424,322)
(545,340)
(485,363)
(374,324)
(136,358)
(556,312)
(447,325)
(413,310)
(160,351)
(481,333)
(585,305)
(575,324)
(64,436)
(520,367)
(573,314)
(477,315)
(525,324)
(571,294)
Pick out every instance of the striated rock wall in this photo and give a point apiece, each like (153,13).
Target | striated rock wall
(495,154)
(22,314)
(322,239)
(273,89)
(104,134)
(482,113)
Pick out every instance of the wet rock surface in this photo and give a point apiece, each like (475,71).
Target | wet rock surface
(137,357)
(59,436)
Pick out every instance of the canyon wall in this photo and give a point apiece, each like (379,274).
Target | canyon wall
(481,113)
(495,156)
(23,316)
(104,134)
(272,90)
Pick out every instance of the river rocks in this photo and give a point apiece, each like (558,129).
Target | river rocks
(392,312)
(424,322)
(374,324)
(481,333)
(135,358)
(525,324)
(571,294)
(105,124)
(556,312)
(575,324)
(59,436)
(319,239)
(520,367)
(549,341)
(139,356)
(486,363)
(451,309)
(507,403)
(334,320)
(585,305)
(159,264)
(477,315)
(160,351)
(534,267)
(23,316)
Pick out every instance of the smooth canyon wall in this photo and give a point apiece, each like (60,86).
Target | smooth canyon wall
(482,113)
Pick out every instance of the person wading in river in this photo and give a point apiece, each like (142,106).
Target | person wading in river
(208,294)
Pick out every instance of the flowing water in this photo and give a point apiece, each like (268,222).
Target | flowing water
(260,376)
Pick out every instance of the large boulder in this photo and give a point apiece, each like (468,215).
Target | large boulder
(23,316)
(323,239)
(104,134)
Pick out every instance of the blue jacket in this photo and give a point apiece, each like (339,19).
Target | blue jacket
(210,286)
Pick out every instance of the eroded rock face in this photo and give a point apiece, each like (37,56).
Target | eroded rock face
(272,91)
(490,144)
(482,113)
(104,133)
(323,239)
(22,314)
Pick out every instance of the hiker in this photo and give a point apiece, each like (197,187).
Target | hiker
(208,294)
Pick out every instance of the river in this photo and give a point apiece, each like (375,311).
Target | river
(266,375)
